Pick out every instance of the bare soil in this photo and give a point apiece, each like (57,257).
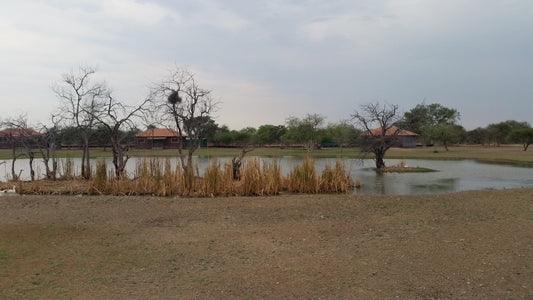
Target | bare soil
(476,244)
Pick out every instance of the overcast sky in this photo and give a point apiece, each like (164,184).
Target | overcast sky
(267,60)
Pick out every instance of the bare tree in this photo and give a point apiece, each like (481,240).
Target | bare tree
(113,116)
(236,162)
(48,146)
(379,134)
(21,137)
(186,106)
(81,100)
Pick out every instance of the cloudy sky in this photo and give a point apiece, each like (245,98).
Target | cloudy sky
(266,60)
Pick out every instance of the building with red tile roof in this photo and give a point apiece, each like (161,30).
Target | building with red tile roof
(406,138)
(163,138)
(10,137)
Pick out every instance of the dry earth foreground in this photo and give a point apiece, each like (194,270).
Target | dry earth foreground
(467,245)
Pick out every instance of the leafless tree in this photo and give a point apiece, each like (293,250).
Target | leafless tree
(81,100)
(21,137)
(376,122)
(115,115)
(236,163)
(48,146)
(186,106)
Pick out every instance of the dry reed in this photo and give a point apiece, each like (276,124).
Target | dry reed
(303,179)
(153,176)
(336,179)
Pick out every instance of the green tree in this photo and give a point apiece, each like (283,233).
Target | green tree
(447,134)
(523,136)
(270,134)
(500,131)
(223,136)
(304,130)
(423,118)
(342,133)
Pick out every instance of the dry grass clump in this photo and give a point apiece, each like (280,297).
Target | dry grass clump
(335,179)
(261,181)
(156,177)
(303,178)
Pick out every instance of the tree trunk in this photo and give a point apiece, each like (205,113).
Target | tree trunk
(237,162)
(379,159)
(32,172)
(86,163)
(13,174)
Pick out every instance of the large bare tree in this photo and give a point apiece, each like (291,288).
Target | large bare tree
(80,101)
(379,134)
(113,116)
(187,106)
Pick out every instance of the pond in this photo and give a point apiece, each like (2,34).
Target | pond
(450,175)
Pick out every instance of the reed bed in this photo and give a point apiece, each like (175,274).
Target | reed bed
(154,176)
(334,179)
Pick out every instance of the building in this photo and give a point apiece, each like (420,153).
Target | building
(161,138)
(20,137)
(406,138)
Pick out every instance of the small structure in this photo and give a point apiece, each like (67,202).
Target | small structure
(162,138)
(406,138)
(19,137)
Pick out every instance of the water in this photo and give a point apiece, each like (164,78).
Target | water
(451,175)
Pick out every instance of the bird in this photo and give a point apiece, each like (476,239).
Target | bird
(9,191)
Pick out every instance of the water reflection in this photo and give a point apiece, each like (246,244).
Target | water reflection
(451,176)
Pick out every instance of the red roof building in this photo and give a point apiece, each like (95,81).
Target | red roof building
(18,137)
(406,138)
(162,138)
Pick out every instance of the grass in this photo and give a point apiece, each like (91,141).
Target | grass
(502,154)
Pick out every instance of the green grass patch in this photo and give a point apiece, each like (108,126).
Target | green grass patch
(502,154)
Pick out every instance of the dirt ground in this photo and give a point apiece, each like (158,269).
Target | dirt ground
(466,245)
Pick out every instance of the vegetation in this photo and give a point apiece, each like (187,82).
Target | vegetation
(154,176)
(430,121)
(181,102)
(89,118)
(523,136)
(402,167)
(378,134)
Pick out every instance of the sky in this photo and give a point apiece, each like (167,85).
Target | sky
(266,60)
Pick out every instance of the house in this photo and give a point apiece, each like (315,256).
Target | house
(20,137)
(162,138)
(406,138)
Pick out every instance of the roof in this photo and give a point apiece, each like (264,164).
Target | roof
(391,130)
(159,132)
(17,132)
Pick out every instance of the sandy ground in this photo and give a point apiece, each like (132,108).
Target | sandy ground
(468,245)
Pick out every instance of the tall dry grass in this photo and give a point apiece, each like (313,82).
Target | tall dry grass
(335,179)
(303,178)
(154,176)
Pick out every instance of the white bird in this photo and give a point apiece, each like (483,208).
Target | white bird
(9,191)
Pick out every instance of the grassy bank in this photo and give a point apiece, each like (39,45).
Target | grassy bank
(503,154)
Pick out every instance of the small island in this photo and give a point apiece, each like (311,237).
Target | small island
(402,167)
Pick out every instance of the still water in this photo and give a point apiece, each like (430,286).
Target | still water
(450,175)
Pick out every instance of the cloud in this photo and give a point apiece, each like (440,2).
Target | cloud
(137,12)
(212,14)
